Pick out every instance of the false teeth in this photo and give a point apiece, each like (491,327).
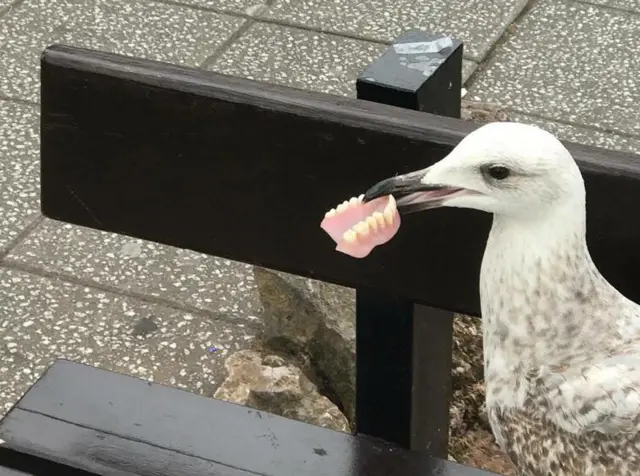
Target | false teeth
(374,223)
(358,227)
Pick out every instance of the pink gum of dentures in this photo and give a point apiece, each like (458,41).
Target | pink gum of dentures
(357,228)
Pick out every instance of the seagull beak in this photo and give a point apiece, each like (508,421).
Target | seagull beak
(413,193)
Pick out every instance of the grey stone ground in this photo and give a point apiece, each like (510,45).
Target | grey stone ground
(172,315)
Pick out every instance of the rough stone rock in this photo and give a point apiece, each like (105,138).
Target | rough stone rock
(273,385)
(483,113)
(314,321)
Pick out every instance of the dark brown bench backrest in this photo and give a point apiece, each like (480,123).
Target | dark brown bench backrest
(243,170)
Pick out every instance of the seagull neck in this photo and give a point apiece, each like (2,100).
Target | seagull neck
(535,273)
(517,244)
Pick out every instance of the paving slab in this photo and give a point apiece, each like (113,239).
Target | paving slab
(42,319)
(302,59)
(631,5)
(19,170)
(570,62)
(582,135)
(248,7)
(226,289)
(478,23)
(150,30)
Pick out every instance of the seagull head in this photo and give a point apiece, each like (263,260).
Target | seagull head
(503,168)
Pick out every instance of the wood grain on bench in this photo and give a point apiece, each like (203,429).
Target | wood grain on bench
(111,424)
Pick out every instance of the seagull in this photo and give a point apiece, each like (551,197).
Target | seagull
(561,344)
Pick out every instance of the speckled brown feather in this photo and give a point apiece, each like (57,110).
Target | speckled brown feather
(538,447)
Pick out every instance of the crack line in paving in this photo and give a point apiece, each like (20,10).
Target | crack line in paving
(10,7)
(275,21)
(290,24)
(24,102)
(626,11)
(606,130)
(222,49)
(284,23)
(341,34)
(21,237)
(154,300)
(506,34)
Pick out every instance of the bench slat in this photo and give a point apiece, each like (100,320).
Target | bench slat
(112,424)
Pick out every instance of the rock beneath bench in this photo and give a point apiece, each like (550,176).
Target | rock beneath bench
(269,383)
(313,321)
(483,113)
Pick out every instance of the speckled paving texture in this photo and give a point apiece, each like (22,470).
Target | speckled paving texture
(302,59)
(145,29)
(583,135)
(19,170)
(185,278)
(298,58)
(632,5)
(44,319)
(478,23)
(248,7)
(569,61)
(173,315)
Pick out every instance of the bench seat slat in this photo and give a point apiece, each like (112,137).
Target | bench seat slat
(111,424)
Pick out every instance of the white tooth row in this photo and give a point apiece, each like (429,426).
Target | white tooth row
(371,224)
(344,206)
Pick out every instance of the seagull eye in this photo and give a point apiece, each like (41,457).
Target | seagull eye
(498,172)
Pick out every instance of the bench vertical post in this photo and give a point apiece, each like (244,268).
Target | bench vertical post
(403,349)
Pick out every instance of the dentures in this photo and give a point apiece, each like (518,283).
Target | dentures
(357,227)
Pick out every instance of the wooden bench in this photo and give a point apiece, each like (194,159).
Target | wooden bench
(103,423)
(245,170)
